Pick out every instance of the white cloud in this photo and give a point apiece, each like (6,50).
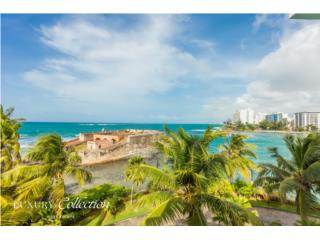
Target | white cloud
(286,79)
(103,64)
(260,19)
(121,67)
(205,44)
(275,21)
(219,109)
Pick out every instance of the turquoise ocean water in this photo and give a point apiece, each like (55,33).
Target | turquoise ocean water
(30,131)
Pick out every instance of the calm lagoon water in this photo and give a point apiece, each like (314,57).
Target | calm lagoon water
(30,131)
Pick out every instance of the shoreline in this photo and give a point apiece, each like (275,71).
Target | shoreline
(272,131)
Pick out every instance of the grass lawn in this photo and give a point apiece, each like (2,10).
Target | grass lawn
(279,206)
(130,212)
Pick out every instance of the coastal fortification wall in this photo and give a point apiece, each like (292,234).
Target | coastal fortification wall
(84,137)
(144,138)
(138,144)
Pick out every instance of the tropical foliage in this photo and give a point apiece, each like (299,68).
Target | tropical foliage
(106,201)
(264,125)
(195,183)
(10,147)
(41,176)
(182,185)
(239,155)
(276,125)
(298,178)
(130,175)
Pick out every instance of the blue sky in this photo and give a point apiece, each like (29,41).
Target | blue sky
(157,68)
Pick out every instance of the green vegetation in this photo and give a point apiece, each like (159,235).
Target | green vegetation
(111,196)
(298,178)
(180,190)
(238,155)
(192,181)
(266,125)
(263,125)
(239,126)
(10,147)
(286,207)
(130,175)
(40,177)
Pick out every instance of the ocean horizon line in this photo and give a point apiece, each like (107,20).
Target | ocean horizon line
(163,123)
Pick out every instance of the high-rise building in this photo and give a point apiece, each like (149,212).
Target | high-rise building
(275,117)
(259,117)
(304,119)
(245,116)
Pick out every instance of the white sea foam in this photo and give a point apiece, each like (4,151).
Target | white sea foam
(96,124)
(197,130)
(23,135)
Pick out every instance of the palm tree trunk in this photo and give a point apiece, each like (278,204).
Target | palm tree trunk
(131,194)
(301,209)
(196,218)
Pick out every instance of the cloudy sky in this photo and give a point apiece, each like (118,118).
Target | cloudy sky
(157,68)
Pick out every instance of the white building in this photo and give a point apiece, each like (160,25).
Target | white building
(259,117)
(288,118)
(244,116)
(304,119)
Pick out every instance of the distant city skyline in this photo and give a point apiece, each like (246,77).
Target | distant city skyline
(294,120)
(157,68)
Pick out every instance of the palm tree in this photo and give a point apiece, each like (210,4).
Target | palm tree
(182,186)
(42,176)
(10,147)
(184,150)
(299,176)
(10,157)
(183,195)
(129,172)
(238,154)
(113,198)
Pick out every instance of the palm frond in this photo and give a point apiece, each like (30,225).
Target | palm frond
(281,161)
(33,189)
(74,158)
(23,173)
(276,171)
(196,217)
(210,135)
(57,195)
(312,173)
(82,175)
(232,213)
(312,149)
(188,178)
(157,176)
(167,212)
(47,149)
(154,199)
(289,185)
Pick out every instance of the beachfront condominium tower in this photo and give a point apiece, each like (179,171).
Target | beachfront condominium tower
(304,119)
(274,117)
(259,117)
(244,116)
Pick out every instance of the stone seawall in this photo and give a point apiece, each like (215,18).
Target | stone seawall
(140,144)
(124,152)
(110,172)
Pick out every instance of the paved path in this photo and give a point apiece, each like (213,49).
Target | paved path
(267,215)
